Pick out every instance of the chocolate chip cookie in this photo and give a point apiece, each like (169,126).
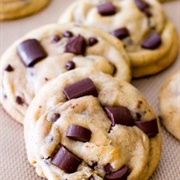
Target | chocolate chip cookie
(169,104)
(148,35)
(87,125)
(12,9)
(53,49)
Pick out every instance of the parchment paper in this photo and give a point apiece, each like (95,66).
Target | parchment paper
(13,160)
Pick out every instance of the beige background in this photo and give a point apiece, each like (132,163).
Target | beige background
(13,161)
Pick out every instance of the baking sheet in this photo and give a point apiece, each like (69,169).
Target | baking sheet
(13,160)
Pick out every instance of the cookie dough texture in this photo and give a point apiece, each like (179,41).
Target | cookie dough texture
(140,26)
(108,55)
(12,9)
(123,145)
(169,104)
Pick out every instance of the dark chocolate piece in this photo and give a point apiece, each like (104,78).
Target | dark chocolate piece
(149,127)
(9,68)
(46,79)
(70,65)
(143,6)
(76,45)
(152,42)
(78,133)
(108,168)
(65,160)
(121,174)
(106,9)
(19,100)
(56,39)
(120,33)
(81,88)
(120,115)
(68,34)
(55,117)
(91,178)
(92,41)
(30,52)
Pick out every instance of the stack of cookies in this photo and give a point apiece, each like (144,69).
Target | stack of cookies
(69,85)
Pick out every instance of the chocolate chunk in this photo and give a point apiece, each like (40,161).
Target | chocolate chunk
(30,52)
(70,65)
(81,88)
(120,115)
(55,117)
(46,79)
(56,39)
(65,160)
(149,127)
(9,68)
(68,34)
(78,133)
(121,174)
(19,100)
(92,41)
(143,6)
(152,42)
(108,168)
(91,178)
(106,9)
(120,33)
(76,45)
